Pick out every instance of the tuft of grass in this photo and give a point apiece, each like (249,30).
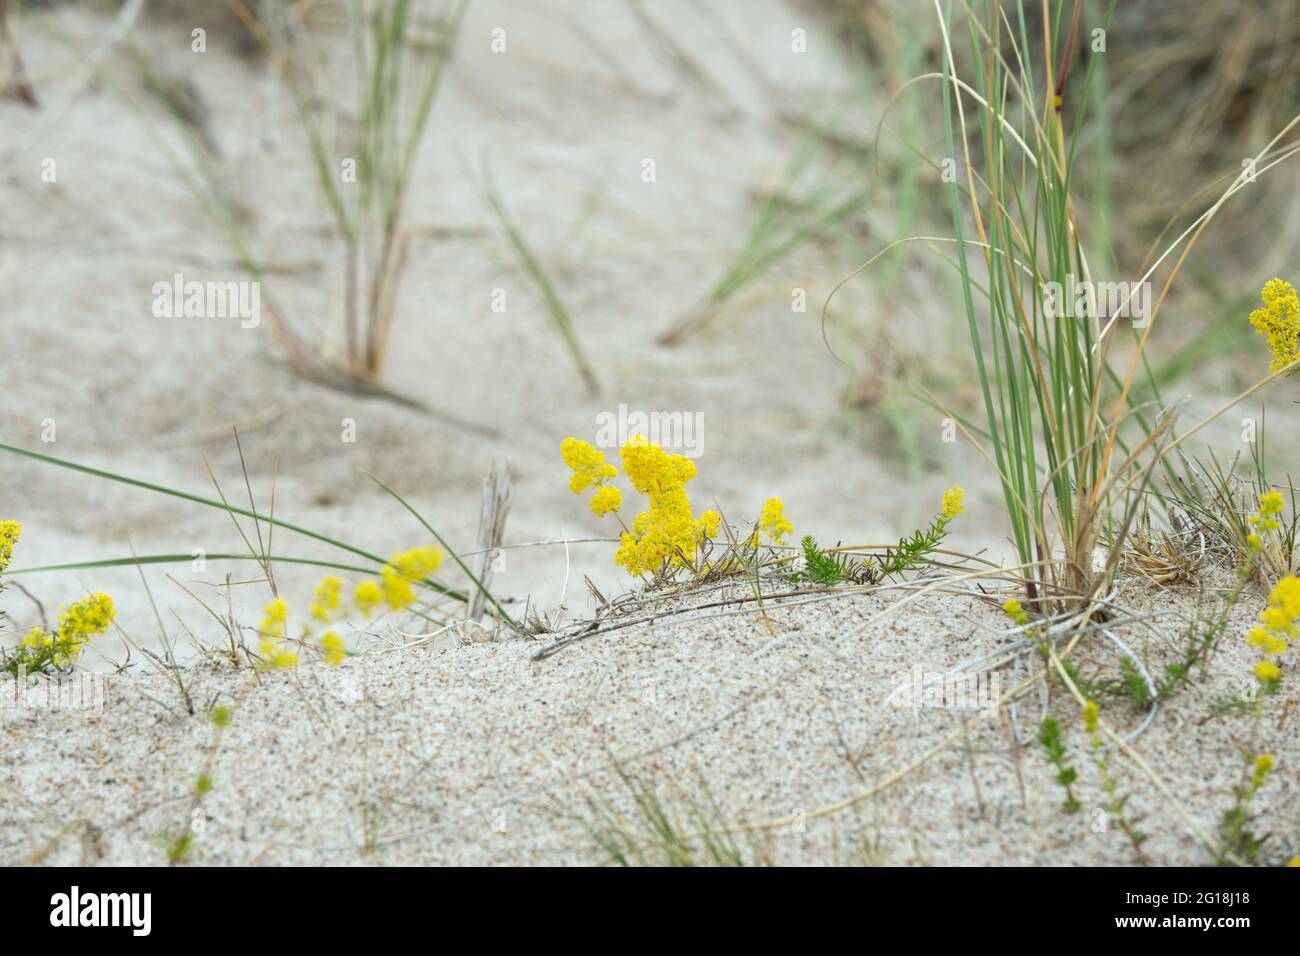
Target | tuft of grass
(375,561)
(556,312)
(1072,446)
(653,835)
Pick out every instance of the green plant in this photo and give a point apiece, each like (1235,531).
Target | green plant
(1049,738)
(1116,805)
(829,568)
(1238,841)
(913,552)
(179,847)
(653,835)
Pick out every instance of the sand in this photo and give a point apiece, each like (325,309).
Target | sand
(478,753)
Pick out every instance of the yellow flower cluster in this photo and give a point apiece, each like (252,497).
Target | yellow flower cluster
(329,595)
(952,502)
(590,469)
(772,521)
(606,500)
(1013,610)
(1279,320)
(1270,506)
(10,531)
(395,588)
(82,620)
(274,627)
(402,572)
(1277,625)
(667,532)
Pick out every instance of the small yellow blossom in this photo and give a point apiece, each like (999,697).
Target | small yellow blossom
(590,469)
(773,522)
(329,595)
(1277,620)
(331,646)
(274,616)
(10,531)
(398,592)
(282,657)
(368,596)
(1286,595)
(1279,321)
(1263,766)
(952,502)
(1295,861)
(1090,716)
(402,570)
(606,500)
(86,618)
(1270,502)
(1013,610)
(1267,671)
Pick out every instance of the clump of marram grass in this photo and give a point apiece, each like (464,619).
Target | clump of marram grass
(1068,431)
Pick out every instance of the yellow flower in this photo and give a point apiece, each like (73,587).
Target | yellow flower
(274,616)
(653,470)
(666,533)
(87,617)
(10,531)
(398,592)
(329,595)
(709,523)
(368,596)
(402,569)
(1266,672)
(1286,595)
(952,502)
(1270,502)
(590,469)
(331,646)
(1279,321)
(1090,716)
(281,657)
(1253,540)
(416,563)
(773,521)
(1295,861)
(1013,610)
(606,500)
(1263,766)
(1277,621)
